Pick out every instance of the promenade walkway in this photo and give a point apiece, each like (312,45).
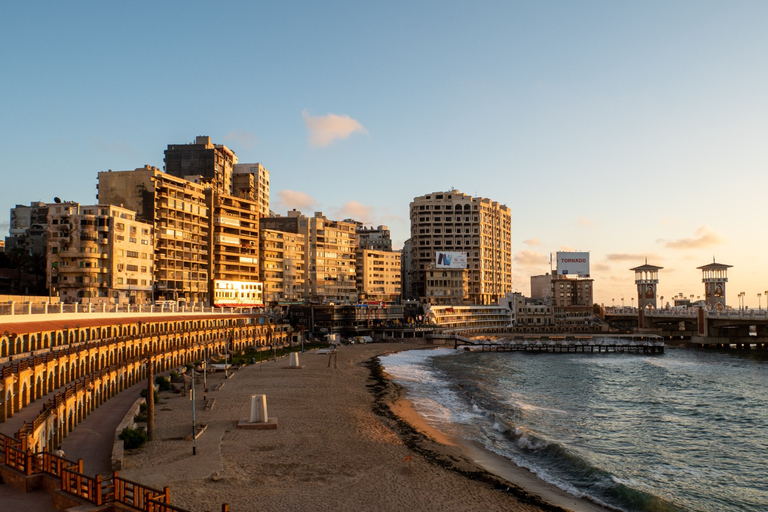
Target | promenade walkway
(90,441)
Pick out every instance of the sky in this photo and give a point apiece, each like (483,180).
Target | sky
(631,130)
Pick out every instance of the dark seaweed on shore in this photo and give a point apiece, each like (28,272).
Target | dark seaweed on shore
(386,392)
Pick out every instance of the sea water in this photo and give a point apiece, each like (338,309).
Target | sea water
(682,431)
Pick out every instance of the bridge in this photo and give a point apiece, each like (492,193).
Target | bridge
(701,327)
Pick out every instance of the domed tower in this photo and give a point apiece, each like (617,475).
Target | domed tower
(647,280)
(714,276)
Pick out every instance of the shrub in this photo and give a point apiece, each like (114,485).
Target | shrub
(163,383)
(141,417)
(133,438)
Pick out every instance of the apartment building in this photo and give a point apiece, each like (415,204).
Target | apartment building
(377,238)
(28,228)
(378,275)
(203,162)
(251,181)
(234,250)
(541,287)
(178,211)
(329,256)
(283,266)
(99,254)
(447,286)
(456,222)
(572,301)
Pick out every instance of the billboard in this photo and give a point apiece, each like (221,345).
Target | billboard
(450,259)
(573,264)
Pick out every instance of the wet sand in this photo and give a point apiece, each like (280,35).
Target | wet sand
(347,440)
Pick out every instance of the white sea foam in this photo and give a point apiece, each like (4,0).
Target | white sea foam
(432,397)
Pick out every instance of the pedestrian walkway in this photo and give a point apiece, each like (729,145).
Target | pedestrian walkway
(91,440)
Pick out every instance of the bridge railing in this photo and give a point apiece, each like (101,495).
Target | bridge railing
(31,308)
(98,490)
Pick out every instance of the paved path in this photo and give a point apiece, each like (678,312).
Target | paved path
(92,438)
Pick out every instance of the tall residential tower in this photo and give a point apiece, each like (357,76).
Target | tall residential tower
(453,222)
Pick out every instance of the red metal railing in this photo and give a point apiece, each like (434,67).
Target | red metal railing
(98,490)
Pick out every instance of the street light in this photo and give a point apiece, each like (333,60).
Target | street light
(194,421)
(759,305)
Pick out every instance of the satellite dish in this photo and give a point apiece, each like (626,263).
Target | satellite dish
(56,200)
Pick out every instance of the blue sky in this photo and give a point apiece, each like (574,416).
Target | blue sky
(627,129)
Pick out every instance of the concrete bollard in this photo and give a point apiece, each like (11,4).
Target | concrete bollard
(258,419)
(259,409)
(294,359)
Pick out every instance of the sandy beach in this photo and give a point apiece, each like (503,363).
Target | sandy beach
(347,440)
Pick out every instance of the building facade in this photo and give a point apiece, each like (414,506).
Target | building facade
(283,266)
(28,228)
(541,287)
(211,163)
(378,276)
(572,301)
(233,250)
(455,222)
(178,211)
(99,254)
(329,256)
(447,286)
(251,181)
(377,238)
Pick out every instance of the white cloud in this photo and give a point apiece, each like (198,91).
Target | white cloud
(294,199)
(531,242)
(531,259)
(356,211)
(324,130)
(631,257)
(704,237)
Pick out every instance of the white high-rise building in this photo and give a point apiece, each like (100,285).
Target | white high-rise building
(461,226)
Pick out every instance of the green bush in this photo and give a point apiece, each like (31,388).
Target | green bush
(163,383)
(133,438)
(142,416)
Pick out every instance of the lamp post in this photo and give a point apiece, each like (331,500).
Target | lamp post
(150,396)
(226,352)
(194,422)
(662,302)
(759,305)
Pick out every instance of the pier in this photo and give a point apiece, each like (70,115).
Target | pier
(632,344)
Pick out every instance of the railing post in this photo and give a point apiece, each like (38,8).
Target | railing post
(97,484)
(13,307)
(28,462)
